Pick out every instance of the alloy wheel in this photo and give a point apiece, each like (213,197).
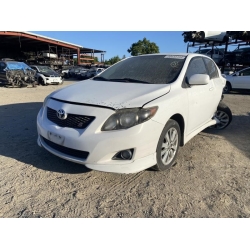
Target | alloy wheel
(169,146)
(223,118)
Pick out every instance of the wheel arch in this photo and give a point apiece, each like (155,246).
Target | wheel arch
(180,120)
(230,85)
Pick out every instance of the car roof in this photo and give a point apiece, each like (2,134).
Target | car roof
(11,61)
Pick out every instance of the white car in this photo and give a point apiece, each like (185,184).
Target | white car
(46,75)
(203,36)
(238,80)
(135,114)
(93,72)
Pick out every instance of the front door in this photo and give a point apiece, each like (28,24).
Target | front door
(200,97)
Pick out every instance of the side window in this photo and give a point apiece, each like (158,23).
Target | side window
(196,66)
(245,72)
(212,70)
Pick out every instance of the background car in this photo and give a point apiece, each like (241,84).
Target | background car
(16,73)
(135,114)
(238,80)
(82,74)
(46,75)
(202,36)
(74,71)
(238,56)
(93,72)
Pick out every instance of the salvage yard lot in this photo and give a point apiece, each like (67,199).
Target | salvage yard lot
(210,179)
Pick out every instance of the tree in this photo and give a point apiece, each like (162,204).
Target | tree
(96,59)
(114,60)
(143,47)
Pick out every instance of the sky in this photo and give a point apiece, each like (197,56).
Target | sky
(116,43)
(114,26)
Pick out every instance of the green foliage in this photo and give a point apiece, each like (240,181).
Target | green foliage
(106,62)
(143,47)
(96,59)
(113,60)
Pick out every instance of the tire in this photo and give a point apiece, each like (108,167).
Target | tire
(165,153)
(224,115)
(41,81)
(227,88)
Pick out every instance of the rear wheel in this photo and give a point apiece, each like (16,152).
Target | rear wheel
(224,115)
(168,146)
(227,88)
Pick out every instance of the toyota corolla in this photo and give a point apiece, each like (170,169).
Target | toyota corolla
(136,114)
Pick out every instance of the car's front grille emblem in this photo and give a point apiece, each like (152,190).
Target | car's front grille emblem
(61,114)
(63,119)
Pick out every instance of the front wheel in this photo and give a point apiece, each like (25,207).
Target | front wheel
(168,146)
(224,115)
(41,81)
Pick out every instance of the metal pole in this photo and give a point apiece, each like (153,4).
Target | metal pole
(212,51)
(224,63)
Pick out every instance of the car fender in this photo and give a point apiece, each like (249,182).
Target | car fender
(173,103)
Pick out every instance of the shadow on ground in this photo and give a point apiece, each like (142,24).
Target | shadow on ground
(237,133)
(18,135)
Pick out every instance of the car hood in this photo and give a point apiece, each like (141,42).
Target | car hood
(115,95)
(50,73)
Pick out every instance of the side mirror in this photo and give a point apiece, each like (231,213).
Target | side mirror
(199,79)
(237,74)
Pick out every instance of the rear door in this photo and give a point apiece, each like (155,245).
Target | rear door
(217,83)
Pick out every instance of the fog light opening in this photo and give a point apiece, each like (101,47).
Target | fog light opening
(126,154)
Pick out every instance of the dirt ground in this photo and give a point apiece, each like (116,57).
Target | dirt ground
(210,179)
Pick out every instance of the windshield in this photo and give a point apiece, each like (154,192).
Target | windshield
(17,65)
(45,69)
(153,69)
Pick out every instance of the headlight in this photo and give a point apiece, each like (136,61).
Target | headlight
(127,118)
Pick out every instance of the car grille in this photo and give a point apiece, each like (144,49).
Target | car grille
(72,120)
(68,151)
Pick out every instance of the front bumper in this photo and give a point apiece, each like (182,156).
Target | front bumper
(101,145)
(51,80)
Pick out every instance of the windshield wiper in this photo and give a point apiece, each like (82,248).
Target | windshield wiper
(128,80)
(100,78)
